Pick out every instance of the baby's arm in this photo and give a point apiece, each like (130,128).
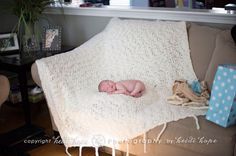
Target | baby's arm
(121,92)
(121,89)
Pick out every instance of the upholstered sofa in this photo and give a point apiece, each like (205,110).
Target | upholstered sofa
(209,47)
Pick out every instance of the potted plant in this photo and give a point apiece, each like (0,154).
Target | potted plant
(28,12)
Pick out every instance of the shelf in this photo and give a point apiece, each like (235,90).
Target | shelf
(217,15)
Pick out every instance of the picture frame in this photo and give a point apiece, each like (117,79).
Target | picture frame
(8,42)
(51,38)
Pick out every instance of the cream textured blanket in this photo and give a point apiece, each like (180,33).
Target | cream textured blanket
(155,52)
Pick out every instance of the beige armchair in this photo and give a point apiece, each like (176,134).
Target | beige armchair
(4,89)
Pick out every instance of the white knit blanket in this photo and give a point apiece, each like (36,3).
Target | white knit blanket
(155,52)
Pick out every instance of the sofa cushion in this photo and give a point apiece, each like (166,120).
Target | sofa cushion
(225,52)
(202,45)
(35,74)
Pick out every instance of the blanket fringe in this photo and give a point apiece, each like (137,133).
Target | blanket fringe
(197,122)
(162,131)
(96,151)
(145,142)
(80,150)
(127,148)
(113,150)
(67,152)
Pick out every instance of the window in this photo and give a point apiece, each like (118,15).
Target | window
(120,2)
(112,2)
(77,2)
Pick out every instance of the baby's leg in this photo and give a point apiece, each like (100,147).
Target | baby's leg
(138,89)
(139,94)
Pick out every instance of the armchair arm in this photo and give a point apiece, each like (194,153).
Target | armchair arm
(4,88)
(35,75)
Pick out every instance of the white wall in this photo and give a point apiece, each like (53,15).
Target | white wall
(76,29)
(140,3)
(7,23)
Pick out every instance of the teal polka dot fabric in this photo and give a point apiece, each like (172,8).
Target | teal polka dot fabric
(222,107)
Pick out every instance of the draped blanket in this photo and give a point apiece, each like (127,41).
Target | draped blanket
(155,52)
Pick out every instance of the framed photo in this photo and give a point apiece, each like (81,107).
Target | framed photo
(52,38)
(8,42)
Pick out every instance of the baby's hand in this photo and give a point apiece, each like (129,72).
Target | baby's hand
(126,93)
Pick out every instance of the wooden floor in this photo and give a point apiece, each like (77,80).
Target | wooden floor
(11,116)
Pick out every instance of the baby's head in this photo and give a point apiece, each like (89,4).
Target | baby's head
(107,86)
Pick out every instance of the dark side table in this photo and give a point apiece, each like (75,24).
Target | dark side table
(22,66)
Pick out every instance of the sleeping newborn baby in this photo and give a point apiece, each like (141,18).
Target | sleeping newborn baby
(133,88)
